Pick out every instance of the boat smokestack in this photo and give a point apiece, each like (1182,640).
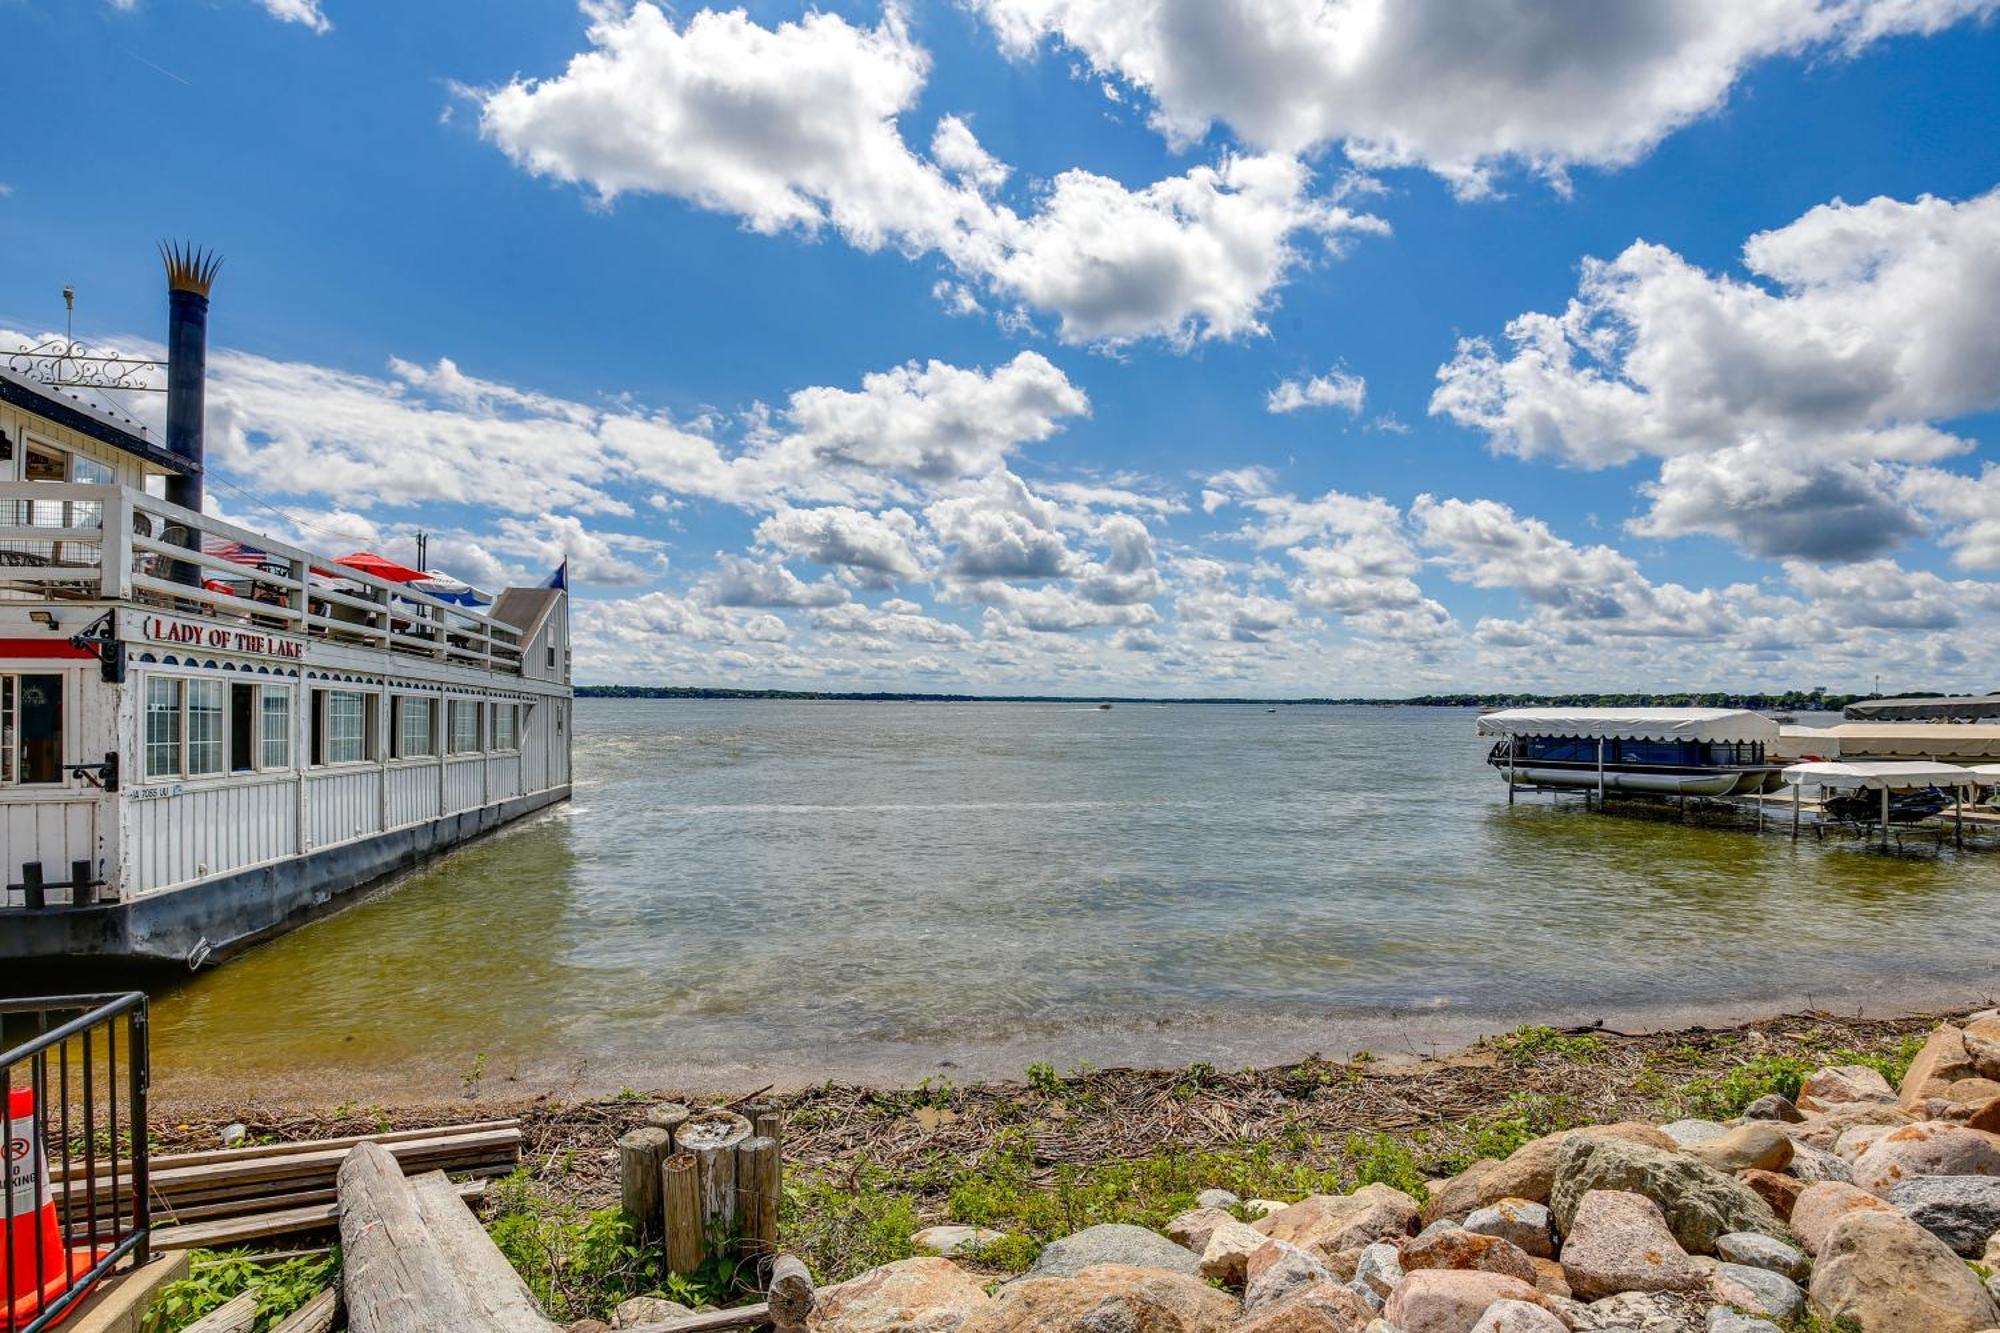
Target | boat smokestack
(190,273)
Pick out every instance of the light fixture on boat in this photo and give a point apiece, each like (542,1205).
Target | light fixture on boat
(46,619)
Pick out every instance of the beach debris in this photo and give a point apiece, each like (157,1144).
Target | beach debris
(955,1242)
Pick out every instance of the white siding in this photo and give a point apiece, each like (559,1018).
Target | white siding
(503,777)
(413,794)
(464,784)
(343,804)
(52,832)
(210,831)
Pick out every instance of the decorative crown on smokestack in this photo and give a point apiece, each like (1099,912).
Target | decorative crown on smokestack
(189,267)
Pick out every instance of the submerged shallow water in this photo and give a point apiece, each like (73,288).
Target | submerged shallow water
(747,891)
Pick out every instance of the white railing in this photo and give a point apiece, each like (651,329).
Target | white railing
(74,542)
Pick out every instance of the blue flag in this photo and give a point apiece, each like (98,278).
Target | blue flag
(559,579)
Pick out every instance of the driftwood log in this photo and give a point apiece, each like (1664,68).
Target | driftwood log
(686,1246)
(640,1153)
(713,1137)
(791,1294)
(757,1198)
(410,1264)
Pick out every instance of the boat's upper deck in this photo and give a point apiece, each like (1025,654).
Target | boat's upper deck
(72,543)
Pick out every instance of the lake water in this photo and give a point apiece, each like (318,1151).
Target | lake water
(746,892)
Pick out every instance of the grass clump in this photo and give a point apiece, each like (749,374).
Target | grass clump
(581,1263)
(843,1224)
(1532,1044)
(1718,1097)
(216,1278)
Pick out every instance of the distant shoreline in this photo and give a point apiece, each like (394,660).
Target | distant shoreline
(1787,701)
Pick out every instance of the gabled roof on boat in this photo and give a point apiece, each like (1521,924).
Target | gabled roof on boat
(525,608)
(1876,774)
(1633,724)
(100,424)
(1919,708)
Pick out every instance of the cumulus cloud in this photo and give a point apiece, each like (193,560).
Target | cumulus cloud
(1336,388)
(1460,89)
(882,547)
(795,128)
(1001,530)
(306,12)
(736,581)
(1788,404)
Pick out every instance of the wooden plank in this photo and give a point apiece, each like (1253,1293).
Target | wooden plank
(317,1315)
(239,1315)
(495,1290)
(393,1277)
(319,1165)
(711,1321)
(169,1161)
(261,1226)
(173,1213)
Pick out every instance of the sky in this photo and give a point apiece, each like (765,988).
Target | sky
(1178,347)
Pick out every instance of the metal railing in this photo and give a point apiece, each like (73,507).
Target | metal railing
(73,1119)
(64,541)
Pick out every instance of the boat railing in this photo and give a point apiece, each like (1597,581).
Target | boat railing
(64,541)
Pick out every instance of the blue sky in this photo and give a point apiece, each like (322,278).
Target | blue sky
(939,345)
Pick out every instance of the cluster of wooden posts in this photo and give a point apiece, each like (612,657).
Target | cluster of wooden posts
(705,1184)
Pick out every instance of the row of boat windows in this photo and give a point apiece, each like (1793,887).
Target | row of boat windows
(1682,754)
(196,727)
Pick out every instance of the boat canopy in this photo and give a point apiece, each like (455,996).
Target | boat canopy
(1878,775)
(1732,725)
(1931,708)
(1988,774)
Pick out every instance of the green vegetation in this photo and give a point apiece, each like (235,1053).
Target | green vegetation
(1717,1097)
(1527,1045)
(214,1279)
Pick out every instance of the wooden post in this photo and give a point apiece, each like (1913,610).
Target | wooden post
(1510,770)
(1885,816)
(769,1123)
(669,1116)
(757,1186)
(639,1155)
(791,1294)
(1958,817)
(1798,800)
(685,1247)
(32,895)
(1600,775)
(712,1137)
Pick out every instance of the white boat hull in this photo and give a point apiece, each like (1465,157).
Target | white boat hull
(1722,783)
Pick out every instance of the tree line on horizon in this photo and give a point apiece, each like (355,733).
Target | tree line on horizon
(1762,701)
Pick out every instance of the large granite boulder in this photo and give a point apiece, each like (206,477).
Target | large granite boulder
(1961,1211)
(1529,1172)
(1277,1270)
(1518,1317)
(1451,1300)
(1228,1252)
(1755,1145)
(908,1296)
(1929,1148)
(1455,1247)
(1192,1228)
(1757,1251)
(1700,1203)
(1321,1307)
(1758,1290)
(1617,1242)
(1886,1274)
(1843,1085)
(1114,1243)
(1106,1298)
(1329,1223)
(1525,1225)
(1942,1062)
(1822,1206)
(1982,1046)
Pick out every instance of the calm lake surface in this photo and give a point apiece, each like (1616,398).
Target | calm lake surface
(747,892)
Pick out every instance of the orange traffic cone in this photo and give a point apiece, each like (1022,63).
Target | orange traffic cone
(37,1268)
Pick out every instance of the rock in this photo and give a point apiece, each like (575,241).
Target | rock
(1926,1149)
(1961,1211)
(1824,1205)
(1889,1275)
(1773,1106)
(1326,1223)
(1859,1139)
(1550,1279)
(1105,1298)
(1972,1091)
(1687,1133)
(1264,1207)
(1216,1199)
(1843,1083)
(647,1310)
(1276,1270)
(1619,1241)
(1758,1145)
(1379,1268)
(1458,1248)
(587,1326)
(1520,1223)
(1450,1300)
(234,1134)
(1529,1173)
(1342,1262)
(908,1296)
(1823,1128)
(1942,1061)
(1984,1117)
(1757,1290)
(1729,1321)
(1781,1192)
(1700,1203)
(1114,1243)
(1640,1312)
(1228,1252)
(1992,1256)
(1813,1165)
(1192,1228)
(1518,1317)
(953,1242)
(1982,1045)
(1754,1251)
(1322,1307)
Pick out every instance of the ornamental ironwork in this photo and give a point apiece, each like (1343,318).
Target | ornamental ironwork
(63,363)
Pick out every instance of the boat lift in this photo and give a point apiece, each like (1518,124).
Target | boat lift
(1889,776)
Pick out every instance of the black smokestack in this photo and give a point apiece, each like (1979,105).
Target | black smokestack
(190,273)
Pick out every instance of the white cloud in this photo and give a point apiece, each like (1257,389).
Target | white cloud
(795,128)
(1001,530)
(1336,388)
(883,547)
(735,581)
(1461,89)
(1787,406)
(307,12)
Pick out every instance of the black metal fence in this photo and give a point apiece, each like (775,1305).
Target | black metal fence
(73,1119)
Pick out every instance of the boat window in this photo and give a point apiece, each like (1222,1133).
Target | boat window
(346,734)
(412,726)
(204,727)
(242,727)
(464,726)
(31,718)
(163,726)
(276,738)
(7,688)
(503,726)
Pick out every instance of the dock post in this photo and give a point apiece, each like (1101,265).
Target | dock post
(1958,817)
(79,883)
(32,894)
(1600,775)
(1885,816)
(686,1238)
(1510,770)
(1798,798)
